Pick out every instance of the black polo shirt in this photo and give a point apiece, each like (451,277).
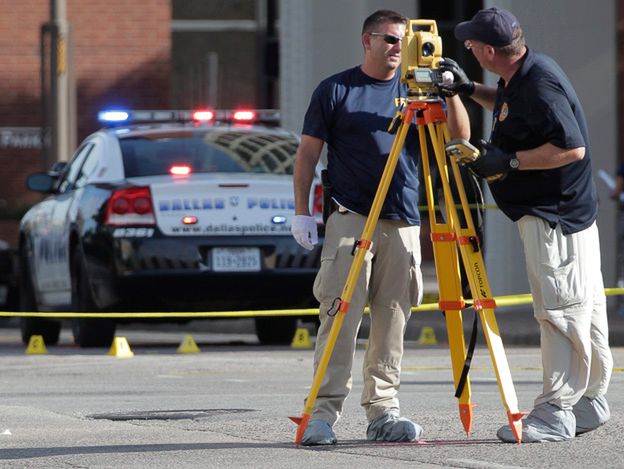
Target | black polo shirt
(351,112)
(540,106)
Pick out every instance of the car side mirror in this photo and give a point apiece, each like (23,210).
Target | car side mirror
(58,167)
(41,182)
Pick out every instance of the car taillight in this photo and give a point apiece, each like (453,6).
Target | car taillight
(131,206)
(317,208)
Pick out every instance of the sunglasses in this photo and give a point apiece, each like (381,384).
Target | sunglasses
(388,38)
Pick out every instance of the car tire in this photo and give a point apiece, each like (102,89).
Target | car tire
(276,330)
(92,332)
(48,329)
(88,332)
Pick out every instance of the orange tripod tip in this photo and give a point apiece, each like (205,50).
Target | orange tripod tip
(515,423)
(302,424)
(465,415)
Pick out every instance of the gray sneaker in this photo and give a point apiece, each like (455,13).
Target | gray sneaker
(391,427)
(318,432)
(590,413)
(546,422)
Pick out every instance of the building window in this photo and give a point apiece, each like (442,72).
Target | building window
(224,54)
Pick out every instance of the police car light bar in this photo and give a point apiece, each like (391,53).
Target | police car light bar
(119,117)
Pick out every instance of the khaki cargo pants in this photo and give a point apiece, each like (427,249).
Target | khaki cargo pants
(570,306)
(390,282)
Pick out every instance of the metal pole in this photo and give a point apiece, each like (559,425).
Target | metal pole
(261,45)
(212,79)
(63,124)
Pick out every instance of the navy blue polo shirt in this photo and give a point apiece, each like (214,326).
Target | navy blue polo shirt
(351,112)
(540,106)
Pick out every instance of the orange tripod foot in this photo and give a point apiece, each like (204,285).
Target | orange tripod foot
(302,424)
(515,423)
(465,414)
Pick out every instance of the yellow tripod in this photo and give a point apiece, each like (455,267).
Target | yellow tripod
(448,237)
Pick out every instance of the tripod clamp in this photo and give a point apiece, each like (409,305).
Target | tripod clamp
(362,244)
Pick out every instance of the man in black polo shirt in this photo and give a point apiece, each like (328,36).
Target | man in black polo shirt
(539,144)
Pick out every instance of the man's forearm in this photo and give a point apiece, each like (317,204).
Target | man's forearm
(303,177)
(457,119)
(549,156)
(306,159)
(484,95)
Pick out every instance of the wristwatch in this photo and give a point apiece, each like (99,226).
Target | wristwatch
(514,163)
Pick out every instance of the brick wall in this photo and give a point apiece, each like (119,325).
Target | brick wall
(122,58)
(122,55)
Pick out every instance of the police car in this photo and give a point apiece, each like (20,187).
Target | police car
(168,211)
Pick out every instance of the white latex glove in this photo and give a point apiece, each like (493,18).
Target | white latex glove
(304,231)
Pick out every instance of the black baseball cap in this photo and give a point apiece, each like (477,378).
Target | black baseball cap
(493,26)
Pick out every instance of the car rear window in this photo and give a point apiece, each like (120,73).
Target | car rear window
(209,152)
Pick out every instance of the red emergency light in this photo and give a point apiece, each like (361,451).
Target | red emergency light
(203,116)
(180,170)
(244,116)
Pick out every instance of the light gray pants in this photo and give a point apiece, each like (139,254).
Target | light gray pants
(390,282)
(570,306)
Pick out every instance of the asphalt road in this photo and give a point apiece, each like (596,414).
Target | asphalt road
(227,406)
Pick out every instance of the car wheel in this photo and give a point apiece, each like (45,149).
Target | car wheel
(88,332)
(49,329)
(276,330)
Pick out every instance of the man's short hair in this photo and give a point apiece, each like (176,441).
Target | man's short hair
(516,47)
(380,17)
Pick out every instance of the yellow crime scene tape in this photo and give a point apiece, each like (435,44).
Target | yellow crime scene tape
(501,301)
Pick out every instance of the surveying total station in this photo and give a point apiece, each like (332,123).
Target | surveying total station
(451,235)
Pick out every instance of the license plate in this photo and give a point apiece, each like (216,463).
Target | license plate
(236,259)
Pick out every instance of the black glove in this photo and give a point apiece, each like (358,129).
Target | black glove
(493,161)
(461,83)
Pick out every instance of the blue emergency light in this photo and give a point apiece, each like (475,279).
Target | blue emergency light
(113,116)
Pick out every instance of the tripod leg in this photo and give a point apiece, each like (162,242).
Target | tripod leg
(361,246)
(449,286)
(483,302)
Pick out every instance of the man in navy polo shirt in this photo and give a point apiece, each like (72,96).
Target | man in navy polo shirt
(351,112)
(539,143)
